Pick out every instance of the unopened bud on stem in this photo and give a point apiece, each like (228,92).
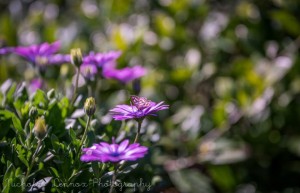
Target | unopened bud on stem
(40,129)
(76,57)
(90,106)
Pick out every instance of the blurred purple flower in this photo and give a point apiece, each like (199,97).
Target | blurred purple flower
(99,59)
(123,75)
(59,59)
(137,110)
(88,71)
(35,84)
(6,50)
(42,54)
(105,152)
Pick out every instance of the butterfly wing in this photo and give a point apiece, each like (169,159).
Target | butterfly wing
(140,102)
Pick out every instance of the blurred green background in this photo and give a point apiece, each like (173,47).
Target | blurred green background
(229,70)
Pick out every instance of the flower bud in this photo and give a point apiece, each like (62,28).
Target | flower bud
(51,94)
(40,129)
(90,106)
(33,113)
(76,57)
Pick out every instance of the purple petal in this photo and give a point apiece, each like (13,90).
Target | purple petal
(44,50)
(35,84)
(88,70)
(59,59)
(101,59)
(105,152)
(124,75)
(136,150)
(123,145)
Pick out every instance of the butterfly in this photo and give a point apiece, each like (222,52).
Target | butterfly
(140,102)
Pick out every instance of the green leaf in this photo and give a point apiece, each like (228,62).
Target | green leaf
(95,168)
(16,123)
(56,120)
(10,93)
(21,153)
(8,177)
(20,97)
(90,138)
(54,171)
(64,105)
(74,140)
(287,21)
(12,179)
(82,122)
(223,176)
(40,99)
(5,114)
(5,126)
(72,134)
(55,142)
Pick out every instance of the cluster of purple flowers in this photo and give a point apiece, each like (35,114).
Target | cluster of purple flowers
(140,108)
(93,64)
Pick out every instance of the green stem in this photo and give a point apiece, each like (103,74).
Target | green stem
(85,131)
(114,177)
(33,159)
(30,133)
(76,86)
(82,141)
(90,90)
(138,131)
(97,90)
(21,141)
(135,140)
(26,125)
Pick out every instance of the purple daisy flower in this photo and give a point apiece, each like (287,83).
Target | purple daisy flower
(123,75)
(88,71)
(99,59)
(140,108)
(105,152)
(42,54)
